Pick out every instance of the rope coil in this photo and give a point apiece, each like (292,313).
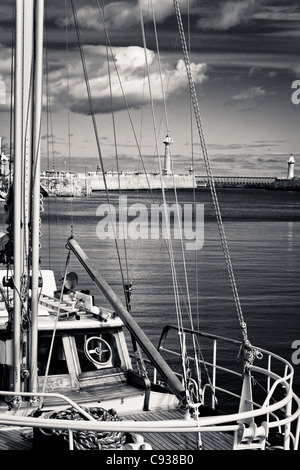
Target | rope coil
(88,440)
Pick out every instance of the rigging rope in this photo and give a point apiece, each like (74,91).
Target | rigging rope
(54,330)
(168,237)
(209,174)
(138,146)
(116,155)
(124,98)
(184,355)
(93,116)
(68,108)
(50,151)
(189,309)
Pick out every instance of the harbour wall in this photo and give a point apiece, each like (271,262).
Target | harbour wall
(83,184)
(66,184)
(142,181)
(254,182)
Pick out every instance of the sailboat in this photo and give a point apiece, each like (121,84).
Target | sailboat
(67,375)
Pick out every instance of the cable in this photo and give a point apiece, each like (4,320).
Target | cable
(209,174)
(93,116)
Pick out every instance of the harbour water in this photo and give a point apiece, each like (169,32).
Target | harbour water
(262,230)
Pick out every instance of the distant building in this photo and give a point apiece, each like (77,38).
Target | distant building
(4,161)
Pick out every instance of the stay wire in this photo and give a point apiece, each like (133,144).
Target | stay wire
(116,151)
(50,150)
(125,102)
(210,176)
(189,310)
(54,329)
(167,226)
(93,116)
(138,146)
(68,109)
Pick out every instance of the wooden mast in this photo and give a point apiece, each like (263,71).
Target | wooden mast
(27,117)
(22,117)
(36,153)
(17,196)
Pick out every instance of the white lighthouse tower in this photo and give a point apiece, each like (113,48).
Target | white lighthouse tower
(167,161)
(291,167)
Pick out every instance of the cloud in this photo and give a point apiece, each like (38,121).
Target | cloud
(122,14)
(251,93)
(283,13)
(243,146)
(130,65)
(231,14)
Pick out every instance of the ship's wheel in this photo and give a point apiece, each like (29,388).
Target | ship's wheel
(98,351)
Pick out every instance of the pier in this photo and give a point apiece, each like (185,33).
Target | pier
(255,182)
(238,181)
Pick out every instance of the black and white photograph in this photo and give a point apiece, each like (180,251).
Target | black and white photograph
(149,228)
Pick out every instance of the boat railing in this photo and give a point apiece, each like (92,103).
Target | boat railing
(208,424)
(274,380)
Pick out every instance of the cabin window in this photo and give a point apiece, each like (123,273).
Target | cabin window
(96,351)
(58,364)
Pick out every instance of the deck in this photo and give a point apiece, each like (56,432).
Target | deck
(21,439)
(182,441)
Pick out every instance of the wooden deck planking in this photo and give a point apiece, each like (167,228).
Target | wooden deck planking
(95,394)
(181,441)
(14,438)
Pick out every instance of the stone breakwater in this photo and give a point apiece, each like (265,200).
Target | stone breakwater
(142,181)
(84,184)
(81,184)
(66,185)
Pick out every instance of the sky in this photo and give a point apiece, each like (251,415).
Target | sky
(244,58)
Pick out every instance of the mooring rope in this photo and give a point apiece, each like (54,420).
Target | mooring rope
(88,440)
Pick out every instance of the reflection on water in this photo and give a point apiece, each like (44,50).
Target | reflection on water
(290,235)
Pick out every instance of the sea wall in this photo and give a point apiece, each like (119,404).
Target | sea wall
(292,184)
(141,181)
(66,185)
(81,184)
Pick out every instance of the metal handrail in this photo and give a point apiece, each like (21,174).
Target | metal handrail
(263,409)
(285,379)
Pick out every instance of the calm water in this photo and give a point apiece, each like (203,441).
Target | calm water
(262,229)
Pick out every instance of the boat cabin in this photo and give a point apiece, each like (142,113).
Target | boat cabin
(88,350)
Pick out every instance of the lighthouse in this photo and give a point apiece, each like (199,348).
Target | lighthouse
(167,161)
(291,167)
